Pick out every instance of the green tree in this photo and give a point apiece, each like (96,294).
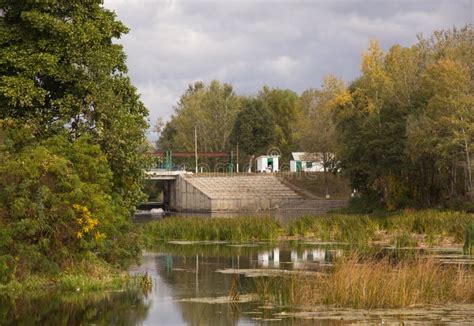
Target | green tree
(61,70)
(72,138)
(444,127)
(254,129)
(57,205)
(283,103)
(316,129)
(404,128)
(211,109)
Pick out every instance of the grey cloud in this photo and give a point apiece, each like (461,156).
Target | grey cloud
(289,44)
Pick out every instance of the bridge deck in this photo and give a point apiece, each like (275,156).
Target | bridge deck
(161,174)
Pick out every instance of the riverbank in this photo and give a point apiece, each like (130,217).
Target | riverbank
(83,277)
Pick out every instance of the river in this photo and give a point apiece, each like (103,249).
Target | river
(191,286)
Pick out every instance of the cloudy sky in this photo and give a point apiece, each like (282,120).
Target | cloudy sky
(287,44)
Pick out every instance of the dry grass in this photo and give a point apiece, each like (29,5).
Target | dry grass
(374,284)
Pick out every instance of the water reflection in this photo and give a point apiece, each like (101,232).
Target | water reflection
(184,271)
(125,308)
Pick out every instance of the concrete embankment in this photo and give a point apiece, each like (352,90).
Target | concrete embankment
(243,193)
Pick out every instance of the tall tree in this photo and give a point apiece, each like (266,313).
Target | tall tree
(211,109)
(254,129)
(316,128)
(405,127)
(283,103)
(60,70)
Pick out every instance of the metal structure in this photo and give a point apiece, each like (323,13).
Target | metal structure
(168,155)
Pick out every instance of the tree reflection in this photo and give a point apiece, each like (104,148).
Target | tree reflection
(108,308)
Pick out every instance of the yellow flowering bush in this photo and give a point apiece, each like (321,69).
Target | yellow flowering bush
(86,222)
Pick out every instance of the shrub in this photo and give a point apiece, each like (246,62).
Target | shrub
(56,202)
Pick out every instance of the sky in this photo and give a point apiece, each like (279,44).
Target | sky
(285,44)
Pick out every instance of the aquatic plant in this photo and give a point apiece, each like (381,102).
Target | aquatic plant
(358,230)
(354,229)
(373,284)
(234,289)
(431,222)
(405,239)
(213,229)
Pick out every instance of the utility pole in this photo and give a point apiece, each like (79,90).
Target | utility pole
(196,147)
(237,159)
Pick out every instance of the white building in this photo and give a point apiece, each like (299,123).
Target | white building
(306,162)
(268,163)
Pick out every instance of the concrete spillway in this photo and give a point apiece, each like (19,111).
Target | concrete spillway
(230,193)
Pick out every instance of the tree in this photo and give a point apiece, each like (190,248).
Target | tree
(72,138)
(254,128)
(60,70)
(317,129)
(444,128)
(317,132)
(56,205)
(405,127)
(284,106)
(211,109)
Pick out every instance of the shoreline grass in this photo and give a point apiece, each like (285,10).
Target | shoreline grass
(90,274)
(404,229)
(372,284)
(212,229)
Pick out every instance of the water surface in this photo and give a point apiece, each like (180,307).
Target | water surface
(191,286)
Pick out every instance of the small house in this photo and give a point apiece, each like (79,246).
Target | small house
(306,162)
(268,163)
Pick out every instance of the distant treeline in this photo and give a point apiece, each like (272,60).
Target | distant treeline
(402,131)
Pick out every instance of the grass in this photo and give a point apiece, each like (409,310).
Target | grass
(373,284)
(399,229)
(212,229)
(354,229)
(404,229)
(90,274)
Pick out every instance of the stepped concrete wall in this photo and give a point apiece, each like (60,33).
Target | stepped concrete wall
(242,193)
(186,197)
(230,193)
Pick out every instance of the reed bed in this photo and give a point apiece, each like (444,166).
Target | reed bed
(336,227)
(213,229)
(373,284)
(430,222)
(402,227)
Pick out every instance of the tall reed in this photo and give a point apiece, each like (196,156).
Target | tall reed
(212,229)
(373,284)
(360,229)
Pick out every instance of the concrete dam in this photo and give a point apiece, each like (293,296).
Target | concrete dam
(184,192)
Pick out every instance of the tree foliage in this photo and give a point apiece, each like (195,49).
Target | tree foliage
(211,109)
(283,103)
(316,130)
(71,136)
(60,70)
(405,129)
(254,128)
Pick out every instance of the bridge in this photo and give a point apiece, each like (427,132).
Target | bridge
(163,174)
